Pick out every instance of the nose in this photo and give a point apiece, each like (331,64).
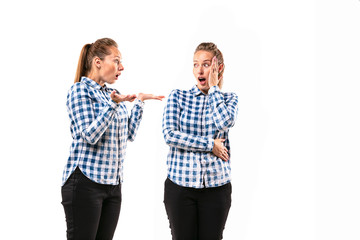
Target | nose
(121,67)
(200,70)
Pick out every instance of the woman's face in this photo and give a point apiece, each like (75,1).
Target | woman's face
(110,67)
(201,70)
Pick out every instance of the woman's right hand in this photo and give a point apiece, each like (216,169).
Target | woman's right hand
(143,96)
(220,150)
(121,98)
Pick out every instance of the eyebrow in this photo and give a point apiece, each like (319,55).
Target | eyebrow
(204,60)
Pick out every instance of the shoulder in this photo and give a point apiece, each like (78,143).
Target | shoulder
(179,94)
(178,98)
(79,89)
(230,97)
(226,95)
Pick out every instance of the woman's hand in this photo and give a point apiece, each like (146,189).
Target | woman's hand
(214,73)
(142,97)
(220,150)
(121,98)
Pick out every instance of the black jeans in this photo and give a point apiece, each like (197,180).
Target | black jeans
(197,214)
(91,209)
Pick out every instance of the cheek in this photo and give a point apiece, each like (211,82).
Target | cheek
(111,69)
(207,72)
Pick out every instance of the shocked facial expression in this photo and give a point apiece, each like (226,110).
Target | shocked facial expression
(201,70)
(111,66)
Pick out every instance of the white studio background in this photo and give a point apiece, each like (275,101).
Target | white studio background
(293,64)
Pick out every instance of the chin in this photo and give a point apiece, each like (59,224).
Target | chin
(203,88)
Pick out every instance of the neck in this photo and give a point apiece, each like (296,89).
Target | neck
(95,77)
(203,90)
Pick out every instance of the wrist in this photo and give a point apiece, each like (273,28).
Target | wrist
(140,96)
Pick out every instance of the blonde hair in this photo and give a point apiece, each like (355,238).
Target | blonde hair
(100,49)
(212,48)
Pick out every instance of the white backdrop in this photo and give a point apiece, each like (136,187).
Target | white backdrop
(295,146)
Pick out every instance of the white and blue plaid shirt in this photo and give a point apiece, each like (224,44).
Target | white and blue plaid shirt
(191,122)
(100,129)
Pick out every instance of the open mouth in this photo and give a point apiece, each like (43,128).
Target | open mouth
(202,80)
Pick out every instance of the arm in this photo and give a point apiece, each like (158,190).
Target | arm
(224,112)
(172,135)
(134,119)
(81,112)
(136,113)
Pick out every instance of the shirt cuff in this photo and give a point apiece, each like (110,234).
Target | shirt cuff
(214,89)
(139,102)
(113,104)
(211,144)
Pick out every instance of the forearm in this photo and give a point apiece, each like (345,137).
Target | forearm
(187,141)
(135,119)
(223,113)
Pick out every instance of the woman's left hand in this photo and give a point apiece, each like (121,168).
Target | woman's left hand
(122,98)
(220,150)
(143,96)
(214,73)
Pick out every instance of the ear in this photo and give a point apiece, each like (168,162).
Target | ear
(97,62)
(221,67)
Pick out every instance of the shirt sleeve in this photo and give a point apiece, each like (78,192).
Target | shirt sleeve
(135,119)
(171,129)
(80,106)
(224,111)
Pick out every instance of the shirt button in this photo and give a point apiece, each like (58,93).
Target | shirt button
(203,161)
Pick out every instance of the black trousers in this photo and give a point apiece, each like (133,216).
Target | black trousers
(91,209)
(197,214)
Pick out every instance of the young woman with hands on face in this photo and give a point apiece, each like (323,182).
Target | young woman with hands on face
(196,125)
(100,127)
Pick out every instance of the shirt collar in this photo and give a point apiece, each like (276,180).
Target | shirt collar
(94,84)
(90,82)
(196,91)
(106,89)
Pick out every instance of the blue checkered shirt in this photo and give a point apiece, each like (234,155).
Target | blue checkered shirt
(100,129)
(191,122)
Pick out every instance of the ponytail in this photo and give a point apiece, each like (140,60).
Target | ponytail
(82,67)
